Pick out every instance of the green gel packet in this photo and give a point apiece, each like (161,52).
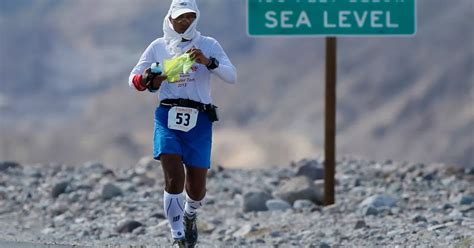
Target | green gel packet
(175,66)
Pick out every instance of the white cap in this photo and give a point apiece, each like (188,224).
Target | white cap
(181,7)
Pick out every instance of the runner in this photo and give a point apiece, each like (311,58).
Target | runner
(184,117)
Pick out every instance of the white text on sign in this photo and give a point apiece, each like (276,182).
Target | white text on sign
(344,19)
(283,20)
(375,18)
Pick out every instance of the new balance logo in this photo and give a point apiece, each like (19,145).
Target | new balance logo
(176,218)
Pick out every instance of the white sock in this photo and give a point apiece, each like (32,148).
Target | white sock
(191,206)
(173,206)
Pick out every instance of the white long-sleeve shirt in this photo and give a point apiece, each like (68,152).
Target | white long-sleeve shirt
(195,84)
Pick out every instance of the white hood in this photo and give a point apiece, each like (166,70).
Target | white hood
(172,38)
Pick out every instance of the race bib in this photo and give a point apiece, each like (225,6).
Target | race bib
(181,118)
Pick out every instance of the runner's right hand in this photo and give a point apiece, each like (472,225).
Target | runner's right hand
(156,82)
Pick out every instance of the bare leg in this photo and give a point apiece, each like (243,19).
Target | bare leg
(173,202)
(196,182)
(174,173)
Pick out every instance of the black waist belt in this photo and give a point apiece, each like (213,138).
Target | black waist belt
(186,103)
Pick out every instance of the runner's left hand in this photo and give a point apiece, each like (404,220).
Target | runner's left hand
(198,56)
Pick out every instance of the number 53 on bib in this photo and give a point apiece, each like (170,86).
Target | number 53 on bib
(181,118)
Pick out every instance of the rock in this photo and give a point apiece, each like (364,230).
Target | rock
(430,176)
(434,222)
(395,232)
(456,214)
(250,231)
(80,220)
(357,182)
(3,195)
(370,211)
(58,208)
(130,187)
(139,230)
(60,188)
(449,180)
(148,163)
(110,191)
(97,170)
(84,234)
(311,169)
(299,188)
(219,168)
(127,226)
(378,201)
(302,204)
(35,173)
(360,224)
(447,206)
(441,226)
(324,245)
(94,167)
(275,234)
(469,171)
(47,231)
(255,201)
(5,165)
(395,210)
(419,218)
(466,209)
(210,200)
(244,231)
(143,180)
(277,204)
(158,216)
(205,227)
(465,200)
(211,173)
(285,174)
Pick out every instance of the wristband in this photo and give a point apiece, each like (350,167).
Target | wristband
(213,63)
(137,83)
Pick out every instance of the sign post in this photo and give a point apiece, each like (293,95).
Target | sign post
(330,121)
(331,18)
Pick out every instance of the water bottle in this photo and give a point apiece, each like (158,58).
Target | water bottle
(156,68)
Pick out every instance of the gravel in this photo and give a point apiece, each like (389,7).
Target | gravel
(378,204)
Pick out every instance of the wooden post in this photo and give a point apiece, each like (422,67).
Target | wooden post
(330,121)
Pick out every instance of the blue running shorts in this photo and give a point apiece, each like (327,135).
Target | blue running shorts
(193,146)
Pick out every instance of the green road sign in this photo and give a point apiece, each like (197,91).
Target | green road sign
(331,17)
